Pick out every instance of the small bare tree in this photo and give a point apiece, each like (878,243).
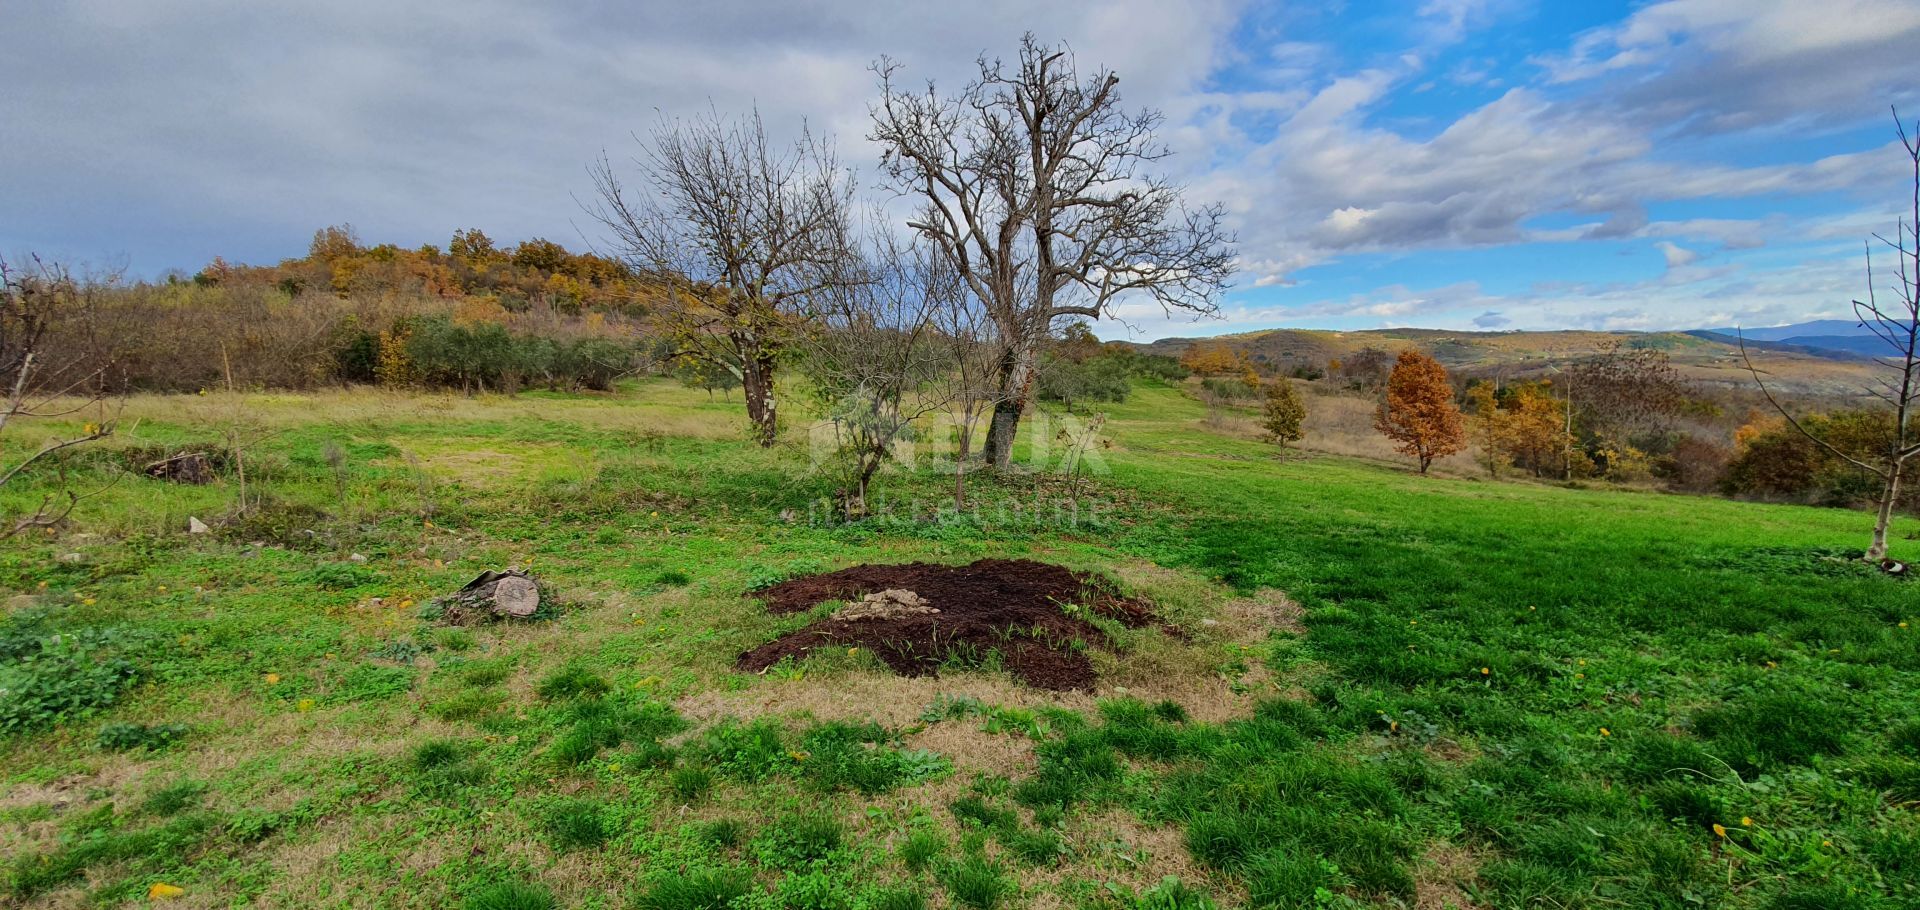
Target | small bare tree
(1038,188)
(739,230)
(975,350)
(1896,322)
(37,301)
(871,352)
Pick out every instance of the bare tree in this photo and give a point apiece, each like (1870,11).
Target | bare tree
(975,351)
(871,352)
(739,229)
(36,302)
(1037,186)
(1896,322)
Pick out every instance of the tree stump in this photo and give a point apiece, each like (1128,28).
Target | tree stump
(510,593)
(186,467)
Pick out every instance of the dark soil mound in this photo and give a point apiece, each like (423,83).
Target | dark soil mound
(1013,607)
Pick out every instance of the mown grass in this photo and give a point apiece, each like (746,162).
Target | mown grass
(1577,697)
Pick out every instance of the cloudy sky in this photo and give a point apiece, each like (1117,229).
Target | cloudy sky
(1503,164)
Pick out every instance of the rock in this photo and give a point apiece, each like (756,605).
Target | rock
(196,526)
(1209,622)
(357,557)
(25,601)
(892,603)
(72,557)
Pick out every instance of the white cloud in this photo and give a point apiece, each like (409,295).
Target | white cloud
(1677,256)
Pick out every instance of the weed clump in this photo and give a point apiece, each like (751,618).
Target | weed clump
(794,840)
(574,824)
(510,896)
(696,890)
(920,848)
(572,681)
(125,737)
(976,882)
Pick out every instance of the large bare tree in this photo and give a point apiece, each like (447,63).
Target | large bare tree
(740,229)
(1041,190)
(1895,320)
(37,302)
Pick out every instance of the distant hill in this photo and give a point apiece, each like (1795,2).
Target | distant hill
(1706,356)
(1830,337)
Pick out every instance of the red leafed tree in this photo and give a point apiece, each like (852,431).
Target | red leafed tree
(1419,414)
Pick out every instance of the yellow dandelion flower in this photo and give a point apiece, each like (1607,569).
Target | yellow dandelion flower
(1746,822)
(332,656)
(1719,830)
(615,766)
(163,588)
(88,601)
(305,705)
(161,891)
(1903,625)
(1605,732)
(1486,671)
(797,756)
(1826,843)
(273,678)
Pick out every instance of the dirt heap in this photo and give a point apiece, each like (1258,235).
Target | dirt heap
(917,617)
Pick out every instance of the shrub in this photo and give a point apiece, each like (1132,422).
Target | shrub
(68,676)
(510,896)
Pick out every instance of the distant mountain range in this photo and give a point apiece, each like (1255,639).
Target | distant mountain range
(1822,337)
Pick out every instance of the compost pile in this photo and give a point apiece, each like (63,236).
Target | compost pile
(918,617)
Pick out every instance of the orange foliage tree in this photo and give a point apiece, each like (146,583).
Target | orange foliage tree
(1419,414)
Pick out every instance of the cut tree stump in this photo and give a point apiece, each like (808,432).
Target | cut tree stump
(186,467)
(511,593)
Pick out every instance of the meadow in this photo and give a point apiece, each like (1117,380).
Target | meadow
(1390,691)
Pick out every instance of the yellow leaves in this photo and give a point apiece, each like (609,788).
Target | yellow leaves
(1605,732)
(161,891)
(305,705)
(90,429)
(853,652)
(798,756)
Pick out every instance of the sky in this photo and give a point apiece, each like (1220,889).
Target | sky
(1459,164)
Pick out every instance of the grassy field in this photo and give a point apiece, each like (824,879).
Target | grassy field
(1397,691)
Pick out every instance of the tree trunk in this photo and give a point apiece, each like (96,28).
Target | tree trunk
(1888,496)
(960,463)
(1016,384)
(756,378)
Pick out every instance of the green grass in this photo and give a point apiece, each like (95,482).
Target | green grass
(1569,687)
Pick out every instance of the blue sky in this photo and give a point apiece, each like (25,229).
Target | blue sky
(1499,164)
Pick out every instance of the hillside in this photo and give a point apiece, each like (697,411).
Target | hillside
(1713,360)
